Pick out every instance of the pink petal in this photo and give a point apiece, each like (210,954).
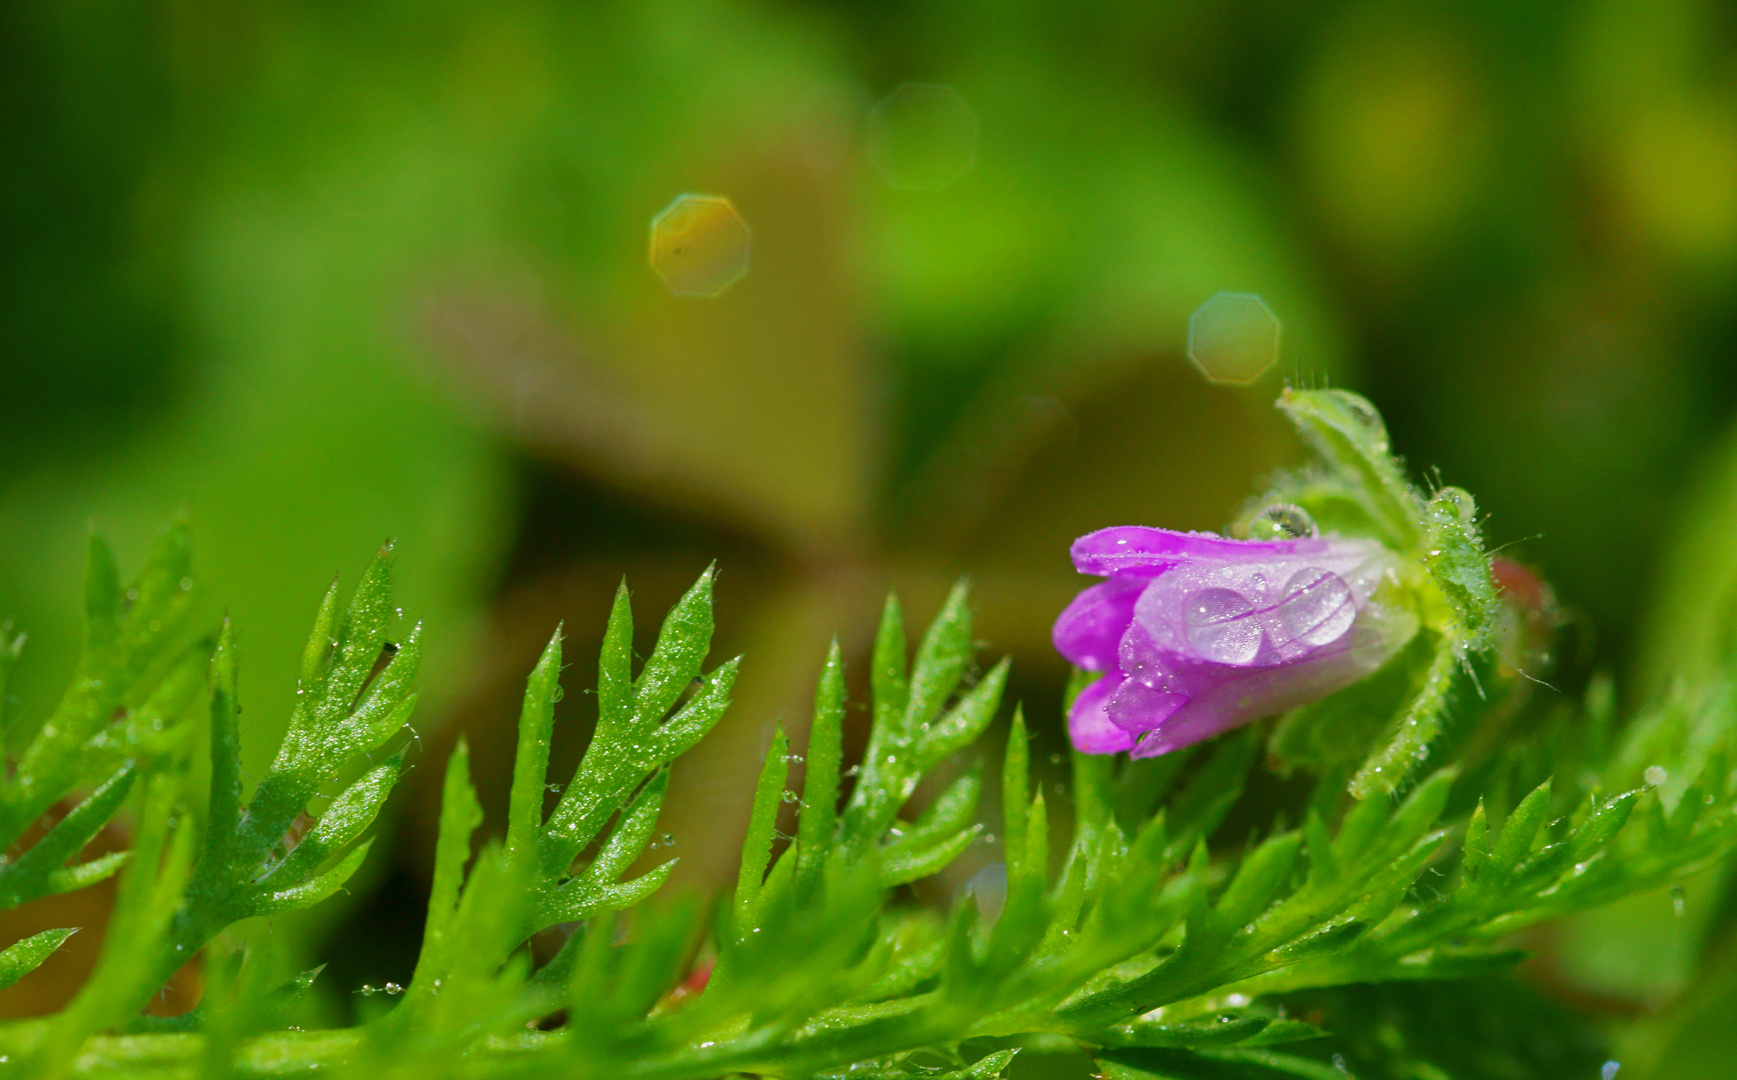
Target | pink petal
(1089,724)
(1088,630)
(1140,551)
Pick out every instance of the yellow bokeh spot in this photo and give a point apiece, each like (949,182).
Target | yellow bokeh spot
(699,245)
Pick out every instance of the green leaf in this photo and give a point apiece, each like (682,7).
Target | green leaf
(1226,1029)
(38,872)
(874,800)
(26,956)
(1453,553)
(531,765)
(342,822)
(819,818)
(762,822)
(11,648)
(1602,825)
(460,815)
(1230,1064)
(965,721)
(1521,827)
(1407,740)
(1258,879)
(1015,790)
(635,737)
(133,641)
(682,644)
(941,661)
(1348,434)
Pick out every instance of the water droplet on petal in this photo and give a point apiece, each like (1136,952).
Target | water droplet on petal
(1219,628)
(1317,609)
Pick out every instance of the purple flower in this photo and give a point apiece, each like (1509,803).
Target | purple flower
(1196,633)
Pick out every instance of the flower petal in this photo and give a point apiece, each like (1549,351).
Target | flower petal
(1089,628)
(1137,708)
(1089,725)
(1140,551)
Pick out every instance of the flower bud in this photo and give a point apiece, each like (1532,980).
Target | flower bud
(1197,633)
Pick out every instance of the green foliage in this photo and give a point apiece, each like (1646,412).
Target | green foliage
(1161,926)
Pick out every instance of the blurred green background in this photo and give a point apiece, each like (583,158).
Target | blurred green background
(322,274)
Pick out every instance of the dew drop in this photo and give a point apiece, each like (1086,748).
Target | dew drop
(1218,627)
(1656,775)
(1282,521)
(1609,1070)
(1677,900)
(1459,500)
(1363,414)
(1317,609)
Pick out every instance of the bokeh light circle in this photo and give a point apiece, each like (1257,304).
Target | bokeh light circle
(923,137)
(699,245)
(1233,339)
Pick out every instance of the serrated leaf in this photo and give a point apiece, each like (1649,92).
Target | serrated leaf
(682,644)
(38,871)
(343,821)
